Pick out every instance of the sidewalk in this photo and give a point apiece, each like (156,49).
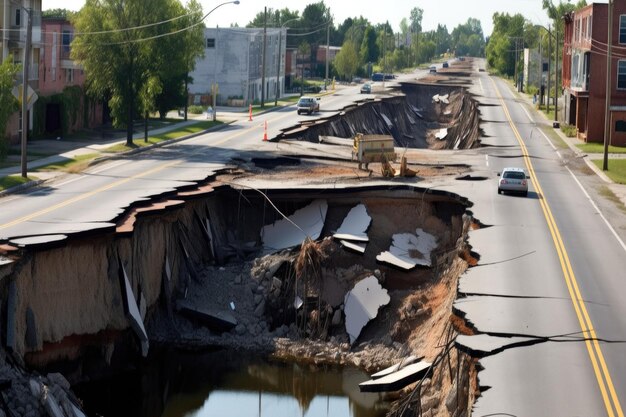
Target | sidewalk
(64,150)
(618,189)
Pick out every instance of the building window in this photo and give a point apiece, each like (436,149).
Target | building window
(18,17)
(620,126)
(622,28)
(66,39)
(210,43)
(69,75)
(621,74)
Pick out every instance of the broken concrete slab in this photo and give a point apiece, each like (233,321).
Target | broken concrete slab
(355,225)
(520,316)
(394,368)
(131,309)
(408,250)
(529,381)
(397,380)
(357,247)
(305,222)
(362,304)
(216,320)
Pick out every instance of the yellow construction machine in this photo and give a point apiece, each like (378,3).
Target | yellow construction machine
(378,148)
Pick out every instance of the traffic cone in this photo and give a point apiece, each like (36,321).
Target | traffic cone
(265,132)
(250,113)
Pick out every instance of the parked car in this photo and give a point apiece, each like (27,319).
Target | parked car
(308,105)
(513,180)
(445,64)
(377,76)
(366,89)
(432,69)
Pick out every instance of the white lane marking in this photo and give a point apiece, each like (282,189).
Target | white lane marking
(487,160)
(559,154)
(548,139)
(527,114)
(94,172)
(480,81)
(621,242)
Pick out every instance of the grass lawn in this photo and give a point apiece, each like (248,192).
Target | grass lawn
(616,171)
(599,148)
(174,134)
(13,181)
(77,164)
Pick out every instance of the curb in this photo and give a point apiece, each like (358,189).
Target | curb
(21,187)
(579,153)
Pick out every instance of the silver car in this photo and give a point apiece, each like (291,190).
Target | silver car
(513,180)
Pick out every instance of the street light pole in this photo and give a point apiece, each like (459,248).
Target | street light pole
(280,51)
(29,28)
(263,59)
(609,74)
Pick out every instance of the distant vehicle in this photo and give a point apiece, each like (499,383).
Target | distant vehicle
(308,105)
(366,89)
(377,76)
(461,58)
(445,64)
(432,69)
(357,80)
(389,76)
(513,180)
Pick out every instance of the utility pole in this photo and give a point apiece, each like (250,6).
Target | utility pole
(263,59)
(327,48)
(549,72)
(280,51)
(29,29)
(556,75)
(609,74)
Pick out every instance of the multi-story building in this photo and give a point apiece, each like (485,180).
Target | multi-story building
(233,60)
(585,72)
(57,72)
(13,22)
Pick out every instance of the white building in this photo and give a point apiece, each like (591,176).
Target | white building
(233,60)
(13,24)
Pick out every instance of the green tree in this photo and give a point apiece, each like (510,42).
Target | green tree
(122,44)
(463,40)
(275,18)
(57,13)
(8,103)
(347,60)
(500,50)
(415,28)
(369,49)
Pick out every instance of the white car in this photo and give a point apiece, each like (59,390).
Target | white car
(513,180)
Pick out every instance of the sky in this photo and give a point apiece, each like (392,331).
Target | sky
(448,12)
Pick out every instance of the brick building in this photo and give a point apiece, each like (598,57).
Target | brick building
(585,72)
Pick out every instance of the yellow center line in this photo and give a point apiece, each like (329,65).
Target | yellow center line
(603,376)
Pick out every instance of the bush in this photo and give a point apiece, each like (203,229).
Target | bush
(195,109)
(569,130)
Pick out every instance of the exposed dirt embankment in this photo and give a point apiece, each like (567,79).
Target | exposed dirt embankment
(70,305)
(413,117)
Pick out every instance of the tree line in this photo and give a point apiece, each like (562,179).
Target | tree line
(368,47)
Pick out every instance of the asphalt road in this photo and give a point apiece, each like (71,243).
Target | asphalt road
(551,271)
(550,274)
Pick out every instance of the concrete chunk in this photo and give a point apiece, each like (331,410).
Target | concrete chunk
(357,247)
(131,309)
(282,234)
(218,320)
(408,250)
(396,380)
(362,304)
(354,225)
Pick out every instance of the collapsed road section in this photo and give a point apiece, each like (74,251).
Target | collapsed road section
(199,270)
(345,271)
